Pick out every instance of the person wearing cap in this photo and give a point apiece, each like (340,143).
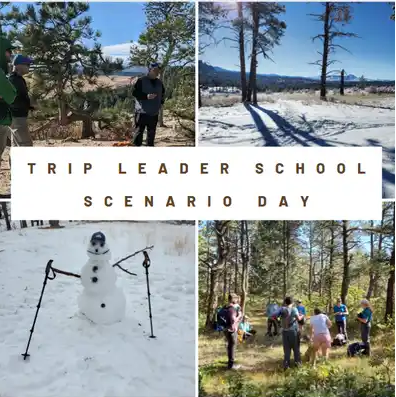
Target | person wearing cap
(21,105)
(7,94)
(149,93)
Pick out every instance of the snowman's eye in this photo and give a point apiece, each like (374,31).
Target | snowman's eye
(102,244)
(93,243)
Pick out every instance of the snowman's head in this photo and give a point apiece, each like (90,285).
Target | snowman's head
(97,247)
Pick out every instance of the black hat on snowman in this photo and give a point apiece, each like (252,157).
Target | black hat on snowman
(98,247)
(98,237)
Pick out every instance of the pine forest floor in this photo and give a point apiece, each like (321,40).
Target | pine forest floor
(261,358)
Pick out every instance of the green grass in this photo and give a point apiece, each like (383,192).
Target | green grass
(261,359)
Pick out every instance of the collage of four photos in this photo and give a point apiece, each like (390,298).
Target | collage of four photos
(206,308)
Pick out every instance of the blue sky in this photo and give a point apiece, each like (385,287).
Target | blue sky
(372,55)
(364,238)
(119,23)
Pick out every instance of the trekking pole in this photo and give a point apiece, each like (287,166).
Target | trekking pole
(47,277)
(146,265)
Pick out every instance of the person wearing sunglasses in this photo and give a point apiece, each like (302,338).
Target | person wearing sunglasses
(149,94)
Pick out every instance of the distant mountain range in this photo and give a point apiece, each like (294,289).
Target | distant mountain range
(208,72)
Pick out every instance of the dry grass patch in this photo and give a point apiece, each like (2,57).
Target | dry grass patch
(5,173)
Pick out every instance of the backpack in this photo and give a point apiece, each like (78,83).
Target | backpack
(356,349)
(224,316)
(339,340)
(286,318)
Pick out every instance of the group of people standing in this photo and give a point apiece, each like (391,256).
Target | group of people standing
(291,318)
(15,103)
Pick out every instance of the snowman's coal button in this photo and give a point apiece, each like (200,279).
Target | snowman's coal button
(102,305)
(94,279)
(95,269)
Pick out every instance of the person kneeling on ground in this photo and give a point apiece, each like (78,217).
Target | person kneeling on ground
(245,328)
(289,318)
(229,318)
(149,93)
(21,106)
(365,318)
(320,335)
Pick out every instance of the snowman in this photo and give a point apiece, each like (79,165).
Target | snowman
(101,300)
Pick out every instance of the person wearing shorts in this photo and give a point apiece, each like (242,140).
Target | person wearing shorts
(320,335)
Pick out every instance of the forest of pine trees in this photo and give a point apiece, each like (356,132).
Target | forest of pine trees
(314,260)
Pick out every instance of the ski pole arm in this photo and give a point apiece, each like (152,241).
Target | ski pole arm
(146,262)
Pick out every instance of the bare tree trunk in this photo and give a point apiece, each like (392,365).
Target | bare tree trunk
(236,289)
(245,263)
(54,224)
(342,82)
(322,247)
(253,60)
(241,40)
(225,281)
(6,215)
(311,242)
(372,271)
(376,293)
(331,265)
(221,229)
(325,55)
(284,258)
(346,262)
(390,292)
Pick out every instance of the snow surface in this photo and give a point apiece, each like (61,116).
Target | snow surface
(71,356)
(298,123)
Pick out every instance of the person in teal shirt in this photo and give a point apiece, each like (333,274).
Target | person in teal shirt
(246,327)
(365,317)
(340,312)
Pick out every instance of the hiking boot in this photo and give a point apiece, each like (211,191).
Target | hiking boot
(236,367)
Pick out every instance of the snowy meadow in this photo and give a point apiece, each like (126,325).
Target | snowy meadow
(72,356)
(360,118)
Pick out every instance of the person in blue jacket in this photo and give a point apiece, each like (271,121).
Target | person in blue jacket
(340,312)
(301,310)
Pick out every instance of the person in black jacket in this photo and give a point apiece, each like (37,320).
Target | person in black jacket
(149,93)
(21,106)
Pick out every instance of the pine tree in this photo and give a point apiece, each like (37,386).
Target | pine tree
(266,31)
(169,38)
(54,35)
(334,16)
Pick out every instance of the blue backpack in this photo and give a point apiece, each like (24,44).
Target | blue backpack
(223,318)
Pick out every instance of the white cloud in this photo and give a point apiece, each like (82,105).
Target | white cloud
(117,50)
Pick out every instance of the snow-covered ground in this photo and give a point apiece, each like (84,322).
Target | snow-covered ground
(70,356)
(286,122)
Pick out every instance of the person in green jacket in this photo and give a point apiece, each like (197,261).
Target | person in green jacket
(7,94)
